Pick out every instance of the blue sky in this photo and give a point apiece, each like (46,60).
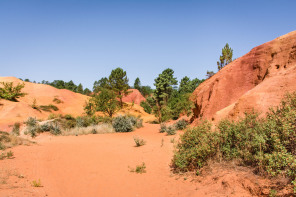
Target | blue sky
(84,40)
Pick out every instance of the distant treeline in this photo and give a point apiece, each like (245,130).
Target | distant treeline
(60,84)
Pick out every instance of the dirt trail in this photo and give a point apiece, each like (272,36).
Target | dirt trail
(97,165)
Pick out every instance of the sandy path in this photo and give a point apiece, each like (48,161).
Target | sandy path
(97,165)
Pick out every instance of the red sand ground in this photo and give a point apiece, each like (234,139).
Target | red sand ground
(256,80)
(98,165)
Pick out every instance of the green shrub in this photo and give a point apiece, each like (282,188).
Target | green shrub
(139,169)
(55,129)
(45,127)
(122,124)
(16,129)
(94,131)
(32,127)
(10,92)
(57,101)
(146,107)
(139,141)
(181,124)
(170,130)
(196,146)
(48,108)
(126,123)
(267,144)
(163,128)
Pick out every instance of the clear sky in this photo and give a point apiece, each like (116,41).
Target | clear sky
(83,40)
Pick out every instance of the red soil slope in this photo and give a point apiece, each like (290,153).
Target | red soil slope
(257,80)
(11,112)
(135,96)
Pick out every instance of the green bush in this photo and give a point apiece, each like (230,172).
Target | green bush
(122,124)
(10,92)
(55,129)
(45,127)
(267,144)
(16,129)
(146,107)
(48,108)
(126,123)
(139,141)
(32,127)
(170,130)
(197,145)
(181,124)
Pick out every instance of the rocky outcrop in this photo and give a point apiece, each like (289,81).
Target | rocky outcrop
(257,80)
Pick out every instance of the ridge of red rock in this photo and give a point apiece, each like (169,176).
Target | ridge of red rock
(257,80)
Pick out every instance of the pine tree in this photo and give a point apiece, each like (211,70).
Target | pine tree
(118,82)
(226,57)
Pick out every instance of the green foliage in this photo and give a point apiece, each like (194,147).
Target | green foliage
(267,144)
(146,107)
(45,127)
(164,87)
(36,183)
(118,82)
(196,147)
(179,104)
(139,141)
(126,123)
(181,124)
(137,84)
(170,130)
(10,92)
(226,56)
(100,84)
(55,129)
(188,86)
(104,102)
(210,74)
(57,100)
(16,129)
(48,108)
(139,169)
(122,124)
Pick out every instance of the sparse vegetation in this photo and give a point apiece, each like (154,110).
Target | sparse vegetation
(10,92)
(48,108)
(170,130)
(139,169)
(126,123)
(8,140)
(181,124)
(16,129)
(139,141)
(36,183)
(57,100)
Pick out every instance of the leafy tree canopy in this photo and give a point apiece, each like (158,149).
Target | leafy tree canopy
(226,57)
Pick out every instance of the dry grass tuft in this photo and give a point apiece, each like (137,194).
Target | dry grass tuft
(94,129)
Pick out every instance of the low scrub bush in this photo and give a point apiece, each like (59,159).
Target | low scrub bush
(16,129)
(57,100)
(45,127)
(139,169)
(36,183)
(170,130)
(48,108)
(55,129)
(9,140)
(268,144)
(139,141)
(126,123)
(10,92)
(181,124)
(93,129)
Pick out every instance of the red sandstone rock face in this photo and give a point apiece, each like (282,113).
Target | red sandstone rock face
(135,96)
(256,80)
